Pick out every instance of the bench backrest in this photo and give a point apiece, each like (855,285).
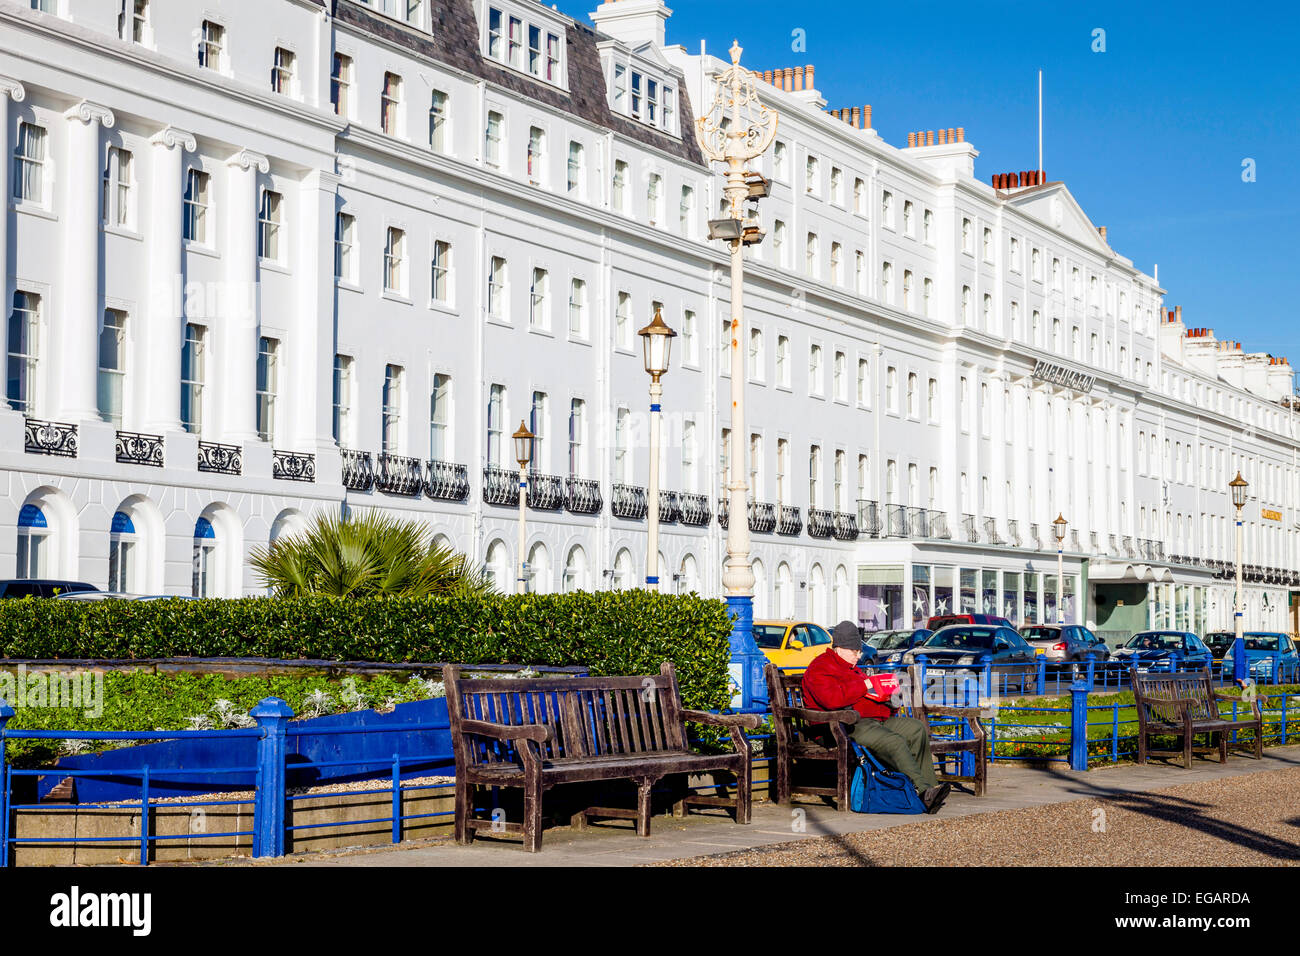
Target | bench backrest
(584,716)
(1160,697)
(785,691)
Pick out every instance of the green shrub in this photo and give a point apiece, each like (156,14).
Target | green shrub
(618,632)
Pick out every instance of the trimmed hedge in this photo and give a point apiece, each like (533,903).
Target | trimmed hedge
(617,632)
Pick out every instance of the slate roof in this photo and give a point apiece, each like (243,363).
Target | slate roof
(455,42)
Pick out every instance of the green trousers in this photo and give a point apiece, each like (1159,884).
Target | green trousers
(902,744)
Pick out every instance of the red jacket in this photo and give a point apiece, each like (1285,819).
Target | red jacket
(832,683)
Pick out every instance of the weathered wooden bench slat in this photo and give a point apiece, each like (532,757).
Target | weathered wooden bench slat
(1185,705)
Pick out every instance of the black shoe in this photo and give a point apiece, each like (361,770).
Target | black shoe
(935,796)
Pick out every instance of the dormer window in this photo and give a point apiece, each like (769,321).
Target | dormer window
(643,96)
(532,46)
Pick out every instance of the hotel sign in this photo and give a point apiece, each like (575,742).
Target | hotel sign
(1271,515)
(1061,375)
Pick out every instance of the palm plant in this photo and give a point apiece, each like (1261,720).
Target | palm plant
(369,555)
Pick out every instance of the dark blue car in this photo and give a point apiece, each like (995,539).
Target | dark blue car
(888,647)
(1265,651)
(1158,650)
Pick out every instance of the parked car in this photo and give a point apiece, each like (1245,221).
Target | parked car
(1262,648)
(1065,643)
(791,643)
(947,620)
(969,644)
(1155,650)
(888,647)
(94,596)
(1219,643)
(40,587)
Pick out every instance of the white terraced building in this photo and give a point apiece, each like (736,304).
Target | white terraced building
(268,258)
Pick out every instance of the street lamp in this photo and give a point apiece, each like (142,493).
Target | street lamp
(657,342)
(1058,528)
(524,455)
(1240,669)
(734,130)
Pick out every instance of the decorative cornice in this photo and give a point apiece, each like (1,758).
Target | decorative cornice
(246,159)
(171,137)
(88,112)
(13,89)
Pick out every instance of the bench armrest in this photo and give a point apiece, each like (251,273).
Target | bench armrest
(846,716)
(482,728)
(1235,698)
(748,721)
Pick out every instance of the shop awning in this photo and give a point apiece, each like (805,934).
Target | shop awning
(1129,573)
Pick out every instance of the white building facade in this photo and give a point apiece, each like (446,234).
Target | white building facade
(268,259)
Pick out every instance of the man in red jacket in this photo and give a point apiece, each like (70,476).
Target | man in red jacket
(833,682)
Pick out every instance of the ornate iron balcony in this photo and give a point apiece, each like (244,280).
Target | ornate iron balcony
(358,470)
(918,520)
(695,510)
(291,466)
(628,501)
(545,492)
(137,449)
(869,518)
(1095,541)
(1114,545)
(50,438)
(1035,541)
(968,525)
(991,531)
(762,517)
(446,480)
(222,459)
(896,521)
(670,508)
(1013,531)
(583,496)
(939,525)
(821,523)
(846,526)
(1074,540)
(399,475)
(1129,550)
(724,513)
(500,486)
(789,522)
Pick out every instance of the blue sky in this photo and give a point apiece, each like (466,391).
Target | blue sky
(1149,135)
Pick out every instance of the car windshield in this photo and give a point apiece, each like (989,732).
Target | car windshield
(1218,640)
(894,640)
(769,635)
(1151,641)
(963,638)
(1260,642)
(1041,633)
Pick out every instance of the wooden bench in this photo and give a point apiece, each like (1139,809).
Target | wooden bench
(1184,705)
(536,733)
(822,736)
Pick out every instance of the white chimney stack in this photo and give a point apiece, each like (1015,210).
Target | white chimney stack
(634,22)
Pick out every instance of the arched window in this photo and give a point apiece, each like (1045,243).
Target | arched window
(760,589)
(689,578)
(121,553)
(539,569)
(842,596)
(817,594)
(205,547)
(784,591)
(575,570)
(623,570)
(33,542)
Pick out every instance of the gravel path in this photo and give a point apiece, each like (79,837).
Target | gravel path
(1247,820)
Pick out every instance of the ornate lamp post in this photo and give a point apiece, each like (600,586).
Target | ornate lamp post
(1240,668)
(738,128)
(657,342)
(524,455)
(1058,528)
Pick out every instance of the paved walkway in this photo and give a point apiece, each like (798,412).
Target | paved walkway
(614,843)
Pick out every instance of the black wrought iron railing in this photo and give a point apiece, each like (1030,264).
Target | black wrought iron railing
(1074,540)
(869,517)
(628,501)
(939,525)
(821,523)
(846,526)
(293,466)
(545,492)
(789,522)
(221,459)
(895,521)
(1129,550)
(918,520)
(991,534)
(1013,532)
(50,438)
(399,475)
(134,448)
(762,517)
(500,486)
(695,510)
(968,526)
(358,470)
(724,513)
(1035,540)
(670,507)
(446,481)
(582,496)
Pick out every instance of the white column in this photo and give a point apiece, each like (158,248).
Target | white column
(9,90)
(159,351)
(74,337)
(308,396)
(236,354)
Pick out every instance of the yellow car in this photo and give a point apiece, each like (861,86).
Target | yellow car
(791,643)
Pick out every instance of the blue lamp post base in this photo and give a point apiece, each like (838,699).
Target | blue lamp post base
(748,687)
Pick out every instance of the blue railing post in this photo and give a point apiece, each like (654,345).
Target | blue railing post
(144,816)
(1285,697)
(1042,674)
(1092,672)
(1114,733)
(924,661)
(986,665)
(1175,659)
(397,799)
(271,714)
(6,712)
(1078,726)
(1240,666)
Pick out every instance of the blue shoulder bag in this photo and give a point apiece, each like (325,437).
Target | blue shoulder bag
(875,789)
